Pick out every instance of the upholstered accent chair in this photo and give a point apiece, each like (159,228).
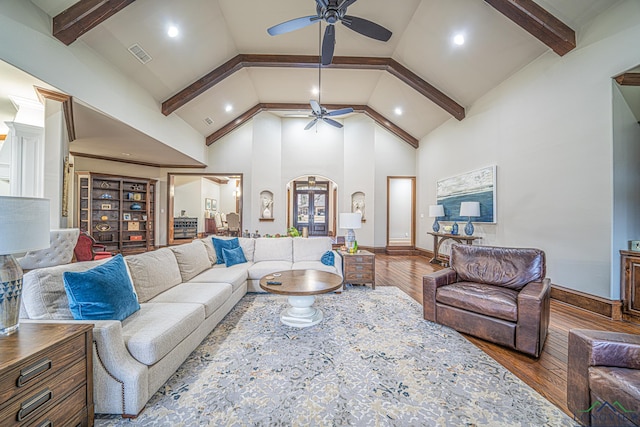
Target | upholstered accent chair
(87,249)
(603,377)
(498,294)
(59,252)
(233,224)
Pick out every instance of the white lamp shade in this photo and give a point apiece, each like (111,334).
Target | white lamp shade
(469,209)
(350,220)
(24,224)
(436,211)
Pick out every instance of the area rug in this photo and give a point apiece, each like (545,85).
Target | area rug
(373,361)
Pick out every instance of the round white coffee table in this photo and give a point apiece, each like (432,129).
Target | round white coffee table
(301,286)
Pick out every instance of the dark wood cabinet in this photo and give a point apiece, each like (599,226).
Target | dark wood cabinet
(46,375)
(185,228)
(630,286)
(119,212)
(359,268)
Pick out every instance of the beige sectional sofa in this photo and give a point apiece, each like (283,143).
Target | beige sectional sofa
(183,294)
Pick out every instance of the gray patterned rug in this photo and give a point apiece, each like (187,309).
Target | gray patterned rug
(373,361)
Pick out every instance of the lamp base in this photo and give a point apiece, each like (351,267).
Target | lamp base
(10,291)
(350,239)
(436,226)
(468,229)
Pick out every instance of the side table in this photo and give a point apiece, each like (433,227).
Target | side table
(359,268)
(439,238)
(46,375)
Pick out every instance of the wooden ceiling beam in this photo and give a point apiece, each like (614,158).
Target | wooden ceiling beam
(282,106)
(309,61)
(538,22)
(83,16)
(629,79)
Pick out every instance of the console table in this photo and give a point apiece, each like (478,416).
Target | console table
(439,238)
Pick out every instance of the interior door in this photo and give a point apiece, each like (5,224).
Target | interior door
(401,220)
(310,206)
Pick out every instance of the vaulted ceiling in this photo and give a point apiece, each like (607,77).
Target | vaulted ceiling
(223,67)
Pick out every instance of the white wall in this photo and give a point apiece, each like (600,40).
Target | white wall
(548,130)
(27,44)
(271,151)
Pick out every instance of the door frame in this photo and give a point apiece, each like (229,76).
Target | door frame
(413,211)
(311,213)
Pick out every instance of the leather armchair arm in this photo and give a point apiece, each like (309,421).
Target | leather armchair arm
(430,283)
(595,348)
(533,317)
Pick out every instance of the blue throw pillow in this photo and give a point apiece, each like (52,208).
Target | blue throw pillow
(103,293)
(327,258)
(220,244)
(233,256)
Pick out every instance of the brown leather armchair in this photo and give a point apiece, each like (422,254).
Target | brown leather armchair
(498,294)
(603,378)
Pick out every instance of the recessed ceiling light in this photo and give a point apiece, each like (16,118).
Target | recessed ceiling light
(126,154)
(398,111)
(315,90)
(458,39)
(173,31)
(228,108)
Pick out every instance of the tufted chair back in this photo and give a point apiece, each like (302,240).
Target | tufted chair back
(59,252)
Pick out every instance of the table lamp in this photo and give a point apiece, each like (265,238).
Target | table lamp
(469,209)
(436,211)
(350,221)
(24,226)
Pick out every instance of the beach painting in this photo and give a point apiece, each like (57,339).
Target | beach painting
(475,186)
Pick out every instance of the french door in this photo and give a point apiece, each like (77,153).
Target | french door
(310,207)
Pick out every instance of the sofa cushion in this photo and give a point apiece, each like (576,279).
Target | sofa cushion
(211,295)
(509,267)
(104,292)
(233,256)
(620,385)
(211,252)
(248,247)
(314,265)
(43,293)
(493,301)
(310,249)
(192,259)
(153,272)
(274,249)
(260,269)
(220,244)
(153,331)
(235,275)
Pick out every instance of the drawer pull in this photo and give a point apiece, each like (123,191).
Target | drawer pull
(45,423)
(359,267)
(34,403)
(32,371)
(359,276)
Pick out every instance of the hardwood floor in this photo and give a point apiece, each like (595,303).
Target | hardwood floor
(548,374)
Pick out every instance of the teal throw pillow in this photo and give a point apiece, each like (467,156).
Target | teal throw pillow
(220,244)
(327,258)
(233,256)
(103,293)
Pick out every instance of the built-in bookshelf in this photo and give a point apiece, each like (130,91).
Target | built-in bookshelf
(118,211)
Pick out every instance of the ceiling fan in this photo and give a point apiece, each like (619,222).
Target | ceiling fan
(332,11)
(318,112)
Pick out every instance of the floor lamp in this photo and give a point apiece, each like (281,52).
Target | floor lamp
(24,226)
(350,221)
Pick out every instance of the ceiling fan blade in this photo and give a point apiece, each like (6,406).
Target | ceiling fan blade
(328,44)
(322,3)
(310,124)
(340,112)
(292,25)
(315,107)
(344,4)
(332,122)
(366,28)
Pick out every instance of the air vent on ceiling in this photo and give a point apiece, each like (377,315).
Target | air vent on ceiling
(137,51)
(208,120)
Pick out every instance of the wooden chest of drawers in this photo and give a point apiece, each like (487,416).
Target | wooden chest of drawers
(359,268)
(46,376)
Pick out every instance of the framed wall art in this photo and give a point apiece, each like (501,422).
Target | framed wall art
(475,186)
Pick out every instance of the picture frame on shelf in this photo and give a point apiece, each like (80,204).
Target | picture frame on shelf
(133,226)
(105,206)
(144,217)
(126,216)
